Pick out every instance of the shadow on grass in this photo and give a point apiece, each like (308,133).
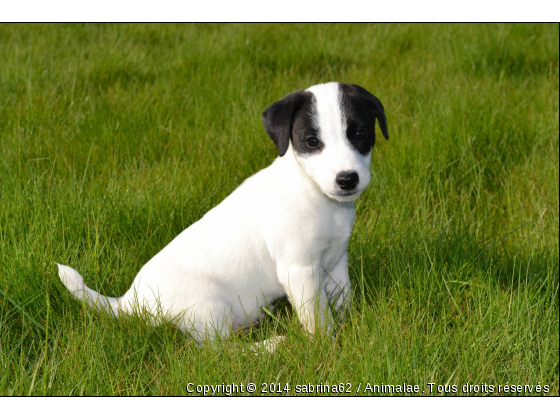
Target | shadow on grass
(453,263)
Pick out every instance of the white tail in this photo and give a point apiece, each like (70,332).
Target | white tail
(75,284)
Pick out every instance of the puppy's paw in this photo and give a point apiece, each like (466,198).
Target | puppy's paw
(269,345)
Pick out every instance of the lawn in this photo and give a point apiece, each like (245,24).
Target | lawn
(115,138)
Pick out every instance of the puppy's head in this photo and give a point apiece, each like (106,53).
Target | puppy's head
(332,130)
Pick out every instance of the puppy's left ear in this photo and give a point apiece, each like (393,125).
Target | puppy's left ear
(278,119)
(374,104)
(380,111)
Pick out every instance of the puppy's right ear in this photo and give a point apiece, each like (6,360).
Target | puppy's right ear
(278,118)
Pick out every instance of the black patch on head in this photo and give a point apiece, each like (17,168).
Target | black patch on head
(361,109)
(305,133)
(286,117)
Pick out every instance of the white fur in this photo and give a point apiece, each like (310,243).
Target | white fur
(283,232)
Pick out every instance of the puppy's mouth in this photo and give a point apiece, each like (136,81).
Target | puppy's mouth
(346,195)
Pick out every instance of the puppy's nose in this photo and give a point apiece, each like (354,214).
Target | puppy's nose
(347,180)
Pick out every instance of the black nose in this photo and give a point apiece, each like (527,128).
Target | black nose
(347,180)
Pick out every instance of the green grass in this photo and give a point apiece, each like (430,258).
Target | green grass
(115,138)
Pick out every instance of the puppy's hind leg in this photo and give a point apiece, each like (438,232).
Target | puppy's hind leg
(208,323)
(213,323)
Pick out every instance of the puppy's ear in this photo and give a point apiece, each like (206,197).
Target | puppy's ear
(374,104)
(278,119)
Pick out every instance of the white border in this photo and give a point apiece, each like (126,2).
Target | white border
(467,408)
(280,10)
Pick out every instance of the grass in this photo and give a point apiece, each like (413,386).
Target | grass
(115,138)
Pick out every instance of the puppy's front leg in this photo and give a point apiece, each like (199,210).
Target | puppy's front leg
(337,286)
(307,295)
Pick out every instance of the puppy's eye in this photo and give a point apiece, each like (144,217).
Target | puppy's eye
(312,142)
(361,134)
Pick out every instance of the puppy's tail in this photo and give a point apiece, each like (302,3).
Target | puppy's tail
(75,284)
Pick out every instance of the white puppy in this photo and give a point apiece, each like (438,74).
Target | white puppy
(283,232)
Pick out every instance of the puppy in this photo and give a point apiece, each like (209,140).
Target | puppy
(283,232)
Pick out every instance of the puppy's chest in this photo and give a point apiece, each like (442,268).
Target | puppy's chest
(335,228)
(330,233)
